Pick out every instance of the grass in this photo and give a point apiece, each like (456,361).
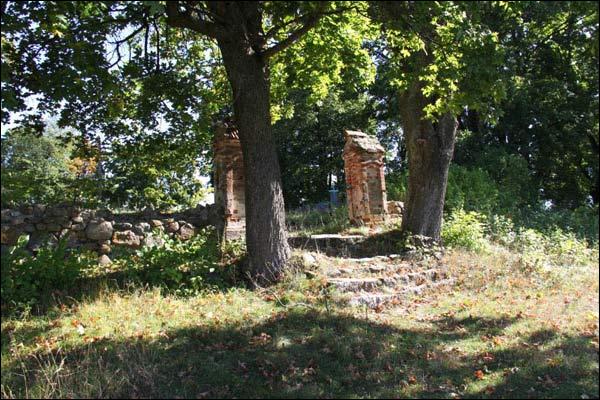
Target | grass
(504,330)
(332,222)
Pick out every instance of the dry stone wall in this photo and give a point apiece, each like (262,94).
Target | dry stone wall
(99,230)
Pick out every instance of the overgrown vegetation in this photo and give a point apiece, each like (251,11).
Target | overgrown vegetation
(175,266)
(502,329)
(333,220)
(555,248)
(29,280)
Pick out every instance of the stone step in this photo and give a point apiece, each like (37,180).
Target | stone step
(400,282)
(376,269)
(388,272)
(354,284)
(330,244)
(373,300)
(371,259)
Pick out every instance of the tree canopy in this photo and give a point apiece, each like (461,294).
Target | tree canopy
(515,84)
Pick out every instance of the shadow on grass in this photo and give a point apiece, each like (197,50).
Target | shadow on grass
(310,354)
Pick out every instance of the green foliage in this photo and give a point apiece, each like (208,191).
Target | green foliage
(330,57)
(32,280)
(471,190)
(475,189)
(51,168)
(515,182)
(317,222)
(583,221)
(396,184)
(35,168)
(156,172)
(549,118)
(184,267)
(311,142)
(466,230)
(553,247)
(451,49)
(501,229)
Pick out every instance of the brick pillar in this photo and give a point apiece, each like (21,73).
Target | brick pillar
(365,179)
(229,180)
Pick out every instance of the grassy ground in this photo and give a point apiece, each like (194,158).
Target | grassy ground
(504,330)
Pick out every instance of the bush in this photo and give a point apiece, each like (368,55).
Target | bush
(582,221)
(184,267)
(501,229)
(557,248)
(396,185)
(465,229)
(30,280)
(471,190)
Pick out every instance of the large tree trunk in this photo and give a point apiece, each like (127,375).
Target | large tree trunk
(266,236)
(238,29)
(430,147)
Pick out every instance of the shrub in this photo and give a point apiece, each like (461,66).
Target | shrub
(471,190)
(557,248)
(582,221)
(501,229)
(565,248)
(465,229)
(396,185)
(30,280)
(513,177)
(531,244)
(185,267)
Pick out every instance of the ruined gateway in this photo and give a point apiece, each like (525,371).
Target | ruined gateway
(363,165)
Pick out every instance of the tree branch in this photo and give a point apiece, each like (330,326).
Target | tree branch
(178,19)
(130,36)
(293,37)
(273,31)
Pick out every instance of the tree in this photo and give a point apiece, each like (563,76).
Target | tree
(36,169)
(244,45)
(162,64)
(443,58)
(550,115)
(311,142)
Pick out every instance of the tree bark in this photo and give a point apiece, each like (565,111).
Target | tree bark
(430,147)
(266,236)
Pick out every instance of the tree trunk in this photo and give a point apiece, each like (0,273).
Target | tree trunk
(266,236)
(429,148)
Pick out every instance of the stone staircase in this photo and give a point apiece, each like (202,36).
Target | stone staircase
(330,244)
(375,281)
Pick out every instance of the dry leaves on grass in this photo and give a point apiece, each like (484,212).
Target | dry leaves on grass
(260,340)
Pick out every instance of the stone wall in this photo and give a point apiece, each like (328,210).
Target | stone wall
(98,230)
(365,179)
(229,180)
(395,208)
